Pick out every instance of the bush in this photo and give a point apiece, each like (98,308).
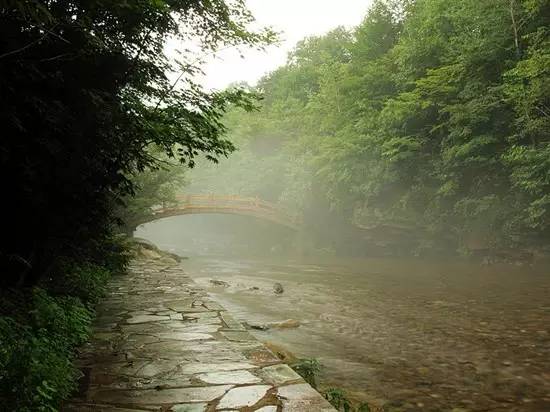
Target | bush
(36,370)
(337,398)
(85,282)
(307,369)
(40,328)
(113,253)
(39,332)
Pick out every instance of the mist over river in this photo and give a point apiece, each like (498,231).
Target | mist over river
(409,334)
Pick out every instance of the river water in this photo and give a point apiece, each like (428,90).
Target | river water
(412,335)
(409,334)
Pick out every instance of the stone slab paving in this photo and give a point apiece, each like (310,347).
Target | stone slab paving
(161,344)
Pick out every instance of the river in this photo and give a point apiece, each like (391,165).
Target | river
(409,334)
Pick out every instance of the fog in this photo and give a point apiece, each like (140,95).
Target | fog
(417,333)
(385,212)
(219,235)
(362,185)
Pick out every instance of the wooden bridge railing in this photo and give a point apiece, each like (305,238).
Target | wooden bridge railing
(210,203)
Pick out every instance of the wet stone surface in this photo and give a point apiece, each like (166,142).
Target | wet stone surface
(161,344)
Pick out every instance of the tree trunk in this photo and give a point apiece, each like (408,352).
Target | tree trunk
(515,27)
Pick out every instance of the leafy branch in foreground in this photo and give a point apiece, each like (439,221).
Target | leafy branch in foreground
(85,90)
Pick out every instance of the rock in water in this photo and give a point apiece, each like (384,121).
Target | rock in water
(219,283)
(278,288)
(257,326)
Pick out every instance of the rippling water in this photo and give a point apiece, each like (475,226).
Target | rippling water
(429,336)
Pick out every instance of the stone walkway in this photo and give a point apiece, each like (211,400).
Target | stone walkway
(161,344)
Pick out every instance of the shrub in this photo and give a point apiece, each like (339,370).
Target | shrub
(41,327)
(307,369)
(36,370)
(85,282)
(65,318)
(114,253)
(38,336)
(337,398)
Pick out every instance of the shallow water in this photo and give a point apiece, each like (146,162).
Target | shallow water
(413,335)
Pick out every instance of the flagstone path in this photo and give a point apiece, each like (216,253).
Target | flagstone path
(161,344)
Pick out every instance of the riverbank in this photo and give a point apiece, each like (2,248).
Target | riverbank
(160,343)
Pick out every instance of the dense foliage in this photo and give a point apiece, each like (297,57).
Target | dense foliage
(36,371)
(152,188)
(431,115)
(40,328)
(90,98)
(86,89)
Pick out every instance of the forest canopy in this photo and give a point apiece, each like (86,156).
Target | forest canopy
(431,114)
(86,90)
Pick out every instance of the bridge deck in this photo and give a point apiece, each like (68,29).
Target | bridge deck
(226,204)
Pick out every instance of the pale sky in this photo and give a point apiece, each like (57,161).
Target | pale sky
(296,19)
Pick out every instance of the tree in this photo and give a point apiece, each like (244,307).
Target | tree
(152,188)
(85,90)
(431,115)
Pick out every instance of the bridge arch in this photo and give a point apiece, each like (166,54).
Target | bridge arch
(225,204)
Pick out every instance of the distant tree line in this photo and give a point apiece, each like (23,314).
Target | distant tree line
(431,114)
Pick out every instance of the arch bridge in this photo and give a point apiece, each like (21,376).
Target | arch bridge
(226,204)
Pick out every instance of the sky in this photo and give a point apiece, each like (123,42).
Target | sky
(296,19)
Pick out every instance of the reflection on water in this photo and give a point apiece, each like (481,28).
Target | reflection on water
(418,336)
